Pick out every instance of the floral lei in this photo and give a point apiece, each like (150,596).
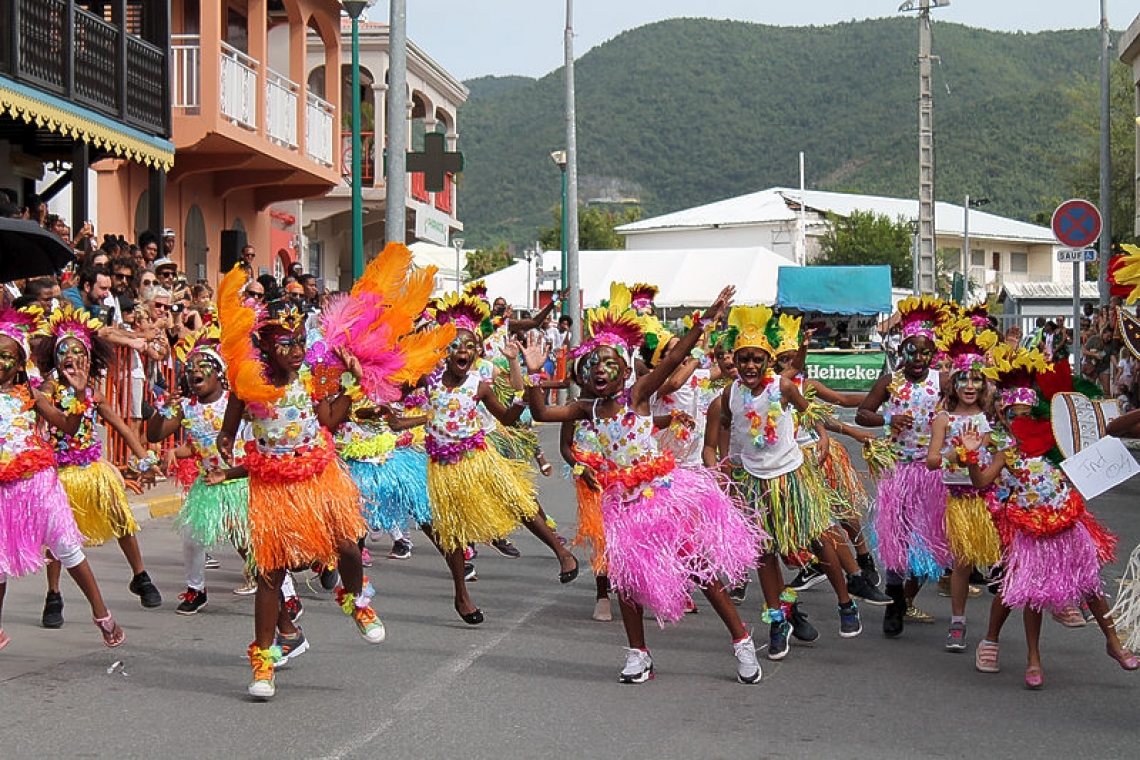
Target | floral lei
(762,422)
(627,477)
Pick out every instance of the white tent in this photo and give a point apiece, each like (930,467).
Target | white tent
(685,278)
(441,256)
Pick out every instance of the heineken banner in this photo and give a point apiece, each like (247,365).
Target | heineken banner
(845,370)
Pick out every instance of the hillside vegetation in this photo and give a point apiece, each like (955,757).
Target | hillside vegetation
(689,111)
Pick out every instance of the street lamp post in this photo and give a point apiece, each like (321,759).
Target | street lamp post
(560,160)
(529,255)
(974,203)
(355,8)
(458,243)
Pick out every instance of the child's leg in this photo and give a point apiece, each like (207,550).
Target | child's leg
(350,566)
(71,558)
(725,609)
(285,622)
(1098,605)
(830,559)
(130,548)
(959,588)
(602,586)
(999,613)
(267,606)
(1033,636)
(632,621)
(194,563)
(854,530)
(771,581)
(53,572)
(537,525)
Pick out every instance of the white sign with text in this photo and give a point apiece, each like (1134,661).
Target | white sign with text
(1104,465)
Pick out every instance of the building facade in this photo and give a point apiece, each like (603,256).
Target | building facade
(1129,47)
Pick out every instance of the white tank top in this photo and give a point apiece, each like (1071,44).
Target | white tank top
(766,460)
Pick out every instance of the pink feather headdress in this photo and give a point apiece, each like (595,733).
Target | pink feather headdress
(18,324)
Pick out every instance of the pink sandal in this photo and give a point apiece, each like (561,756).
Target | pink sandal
(1034,679)
(4,639)
(112,634)
(1126,659)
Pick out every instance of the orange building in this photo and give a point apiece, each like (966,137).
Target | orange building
(248,129)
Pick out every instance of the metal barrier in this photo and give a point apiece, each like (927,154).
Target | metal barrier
(118,390)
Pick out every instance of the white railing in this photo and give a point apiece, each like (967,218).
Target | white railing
(185,71)
(239,87)
(319,119)
(281,108)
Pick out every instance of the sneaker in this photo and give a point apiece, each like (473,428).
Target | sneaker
(802,630)
(192,601)
(53,610)
(778,640)
(366,557)
(506,548)
(369,625)
(294,607)
(866,563)
(401,549)
(638,667)
(747,666)
(469,572)
(738,593)
(917,615)
(808,576)
(249,587)
(956,638)
(147,593)
(849,623)
(211,563)
(470,553)
(690,606)
(262,661)
(859,587)
(986,658)
(895,615)
(291,646)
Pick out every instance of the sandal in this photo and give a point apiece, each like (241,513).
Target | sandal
(1125,658)
(1034,679)
(4,639)
(112,634)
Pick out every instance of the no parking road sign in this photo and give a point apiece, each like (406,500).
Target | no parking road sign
(1076,223)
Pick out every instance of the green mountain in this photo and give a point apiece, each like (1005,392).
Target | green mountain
(690,111)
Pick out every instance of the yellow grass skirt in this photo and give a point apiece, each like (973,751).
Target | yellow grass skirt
(99,501)
(482,497)
(970,529)
(299,522)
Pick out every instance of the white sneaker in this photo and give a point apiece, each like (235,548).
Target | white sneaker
(262,689)
(638,667)
(747,666)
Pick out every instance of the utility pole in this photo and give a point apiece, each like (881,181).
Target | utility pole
(926,268)
(1105,160)
(396,175)
(570,201)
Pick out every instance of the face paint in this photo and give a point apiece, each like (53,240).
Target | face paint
(285,344)
(460,344)
(8,361)
(913,352)
(69,348)
(205,366)
(967,380)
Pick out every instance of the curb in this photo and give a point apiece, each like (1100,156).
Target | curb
(153,508)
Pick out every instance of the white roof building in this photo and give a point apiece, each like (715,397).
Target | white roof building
(1001,250)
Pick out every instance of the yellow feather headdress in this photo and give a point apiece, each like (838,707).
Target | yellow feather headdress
(748,328)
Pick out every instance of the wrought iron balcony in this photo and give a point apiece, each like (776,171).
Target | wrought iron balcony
(61,48)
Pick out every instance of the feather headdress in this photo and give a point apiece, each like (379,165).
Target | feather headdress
(240,320)
(967,344)
(18,324)
(788,333)
(748,328)
(614,325)
(921,316)
(477,289)
(1124,274)
(1015,372)
(465,312)
(69,322)
(657,336)
(205,340)
(641,297)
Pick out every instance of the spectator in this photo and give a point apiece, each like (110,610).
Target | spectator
(1013,336)
(168,243)
(11,211)
(295,271)
(254,289)
(296,294)
(166,271)
(140,259)
(45,293)
(312,295)
(1096,351)
(35,208)
(93,295)
(269,288)
(148,242)
(248,254)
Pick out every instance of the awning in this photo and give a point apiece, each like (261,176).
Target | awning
(70,120)
(836,290)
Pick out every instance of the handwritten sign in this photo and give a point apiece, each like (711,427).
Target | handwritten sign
(1097,468)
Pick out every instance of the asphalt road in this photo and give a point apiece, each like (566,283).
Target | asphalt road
(539,678)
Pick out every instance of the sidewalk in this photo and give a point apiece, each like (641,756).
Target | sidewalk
(164,498)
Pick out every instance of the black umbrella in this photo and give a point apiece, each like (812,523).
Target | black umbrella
(28,250)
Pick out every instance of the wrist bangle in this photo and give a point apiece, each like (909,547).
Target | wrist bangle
(887,419)
(968,457)
(518,399)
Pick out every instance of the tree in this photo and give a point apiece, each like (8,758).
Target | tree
(595,228)
(482,261)
(865,237)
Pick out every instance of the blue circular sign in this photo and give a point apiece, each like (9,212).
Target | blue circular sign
(1076,223)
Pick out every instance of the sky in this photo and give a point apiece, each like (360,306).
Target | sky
(471,38)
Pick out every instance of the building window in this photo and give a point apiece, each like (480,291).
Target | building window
(1019,263)
(314,263)
(995,262)
(977,258)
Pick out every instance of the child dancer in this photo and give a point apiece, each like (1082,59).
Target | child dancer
(477,494)
(969,527)
(667,529)
(1054,548)
(70,357)
(909,510)
(214,509)
(34,510)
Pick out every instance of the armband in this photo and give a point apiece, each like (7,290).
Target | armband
(968,457)
(578,470)
(518,399)
(147,463)
(887,419)
(534,379)
(349,386)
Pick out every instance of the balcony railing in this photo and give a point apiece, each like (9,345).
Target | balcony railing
(239,87)
(281,108)
(319,118)
(186,72)
(59,47)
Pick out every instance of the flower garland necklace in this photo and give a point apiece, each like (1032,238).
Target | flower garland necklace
(761,421)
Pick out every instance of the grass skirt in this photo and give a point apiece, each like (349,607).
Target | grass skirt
(793,509)
(908,522)
(591,531)
(1049,572)
(213,515)
(482,497)
(679,534)
(840,475)
(514,442)
(98,501)
(34,513)
(970,529)
(393,493)
(294,523)
(1126,611)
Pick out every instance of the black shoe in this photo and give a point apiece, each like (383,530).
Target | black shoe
(506,548)
(145,590)
(810,575)
(401,549)
(778,640)
(859,587)
(469,572)
(472,618)
(867,564)
(330,577)
(893,617)
(192,601)
(802,630)
(53,610)
(738,593)
(211,563)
